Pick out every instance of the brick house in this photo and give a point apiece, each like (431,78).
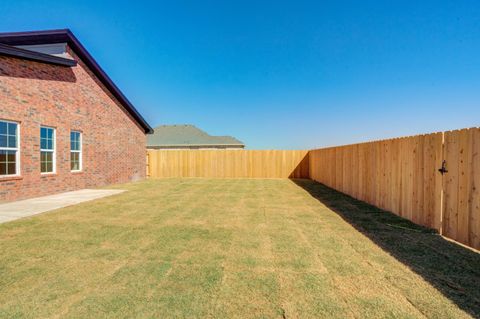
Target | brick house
(64,125)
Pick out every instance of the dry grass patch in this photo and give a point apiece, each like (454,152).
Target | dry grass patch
(196,248)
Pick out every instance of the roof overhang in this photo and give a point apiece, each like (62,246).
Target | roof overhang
(35,56)
(66,36)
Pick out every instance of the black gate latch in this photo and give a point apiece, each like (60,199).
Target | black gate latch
(443,170)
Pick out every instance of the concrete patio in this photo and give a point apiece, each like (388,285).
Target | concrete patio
(29,207)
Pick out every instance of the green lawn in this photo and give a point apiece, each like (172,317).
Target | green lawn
(196,248)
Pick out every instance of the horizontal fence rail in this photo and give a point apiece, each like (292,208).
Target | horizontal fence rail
(228,163)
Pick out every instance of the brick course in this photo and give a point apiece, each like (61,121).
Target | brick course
(67,98)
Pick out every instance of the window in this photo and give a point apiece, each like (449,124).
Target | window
(75,151)
(9,153)
(47,150)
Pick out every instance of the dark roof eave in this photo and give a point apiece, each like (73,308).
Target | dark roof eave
(65,35)
(35,56)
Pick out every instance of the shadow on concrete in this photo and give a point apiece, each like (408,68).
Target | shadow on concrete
(451,268)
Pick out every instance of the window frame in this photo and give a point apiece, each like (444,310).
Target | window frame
(53,151)
(79,151)
(15,149)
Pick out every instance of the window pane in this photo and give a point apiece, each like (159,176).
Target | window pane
(11,168)
(8,164)
(75,166)
(3,141)
(45,168)
(75,141)
(3,128)
(11,156)
(12,129)
(46,162)
(12,141)
(75,161)
(46,138)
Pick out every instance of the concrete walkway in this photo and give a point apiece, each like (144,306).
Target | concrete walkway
(16,210)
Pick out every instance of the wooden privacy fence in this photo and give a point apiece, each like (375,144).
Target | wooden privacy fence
(228,163)
(402,176)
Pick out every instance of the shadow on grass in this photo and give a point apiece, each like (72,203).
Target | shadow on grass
(449,267)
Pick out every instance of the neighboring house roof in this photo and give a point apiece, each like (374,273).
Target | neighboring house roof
(188,135)
(9,40)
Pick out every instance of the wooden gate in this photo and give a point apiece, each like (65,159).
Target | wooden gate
(461,186)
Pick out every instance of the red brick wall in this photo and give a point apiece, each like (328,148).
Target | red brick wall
(36,94)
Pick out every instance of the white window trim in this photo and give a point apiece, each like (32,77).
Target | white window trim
(80,151)
(54,151)
(16,149)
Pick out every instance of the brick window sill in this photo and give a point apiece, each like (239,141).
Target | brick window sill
(10,178)
(76,172)
(48,175)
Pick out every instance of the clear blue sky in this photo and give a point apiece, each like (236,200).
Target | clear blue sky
(278,74)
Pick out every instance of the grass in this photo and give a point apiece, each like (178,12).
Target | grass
(196,248)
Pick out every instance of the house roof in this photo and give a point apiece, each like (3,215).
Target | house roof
(65,36)
(187,135)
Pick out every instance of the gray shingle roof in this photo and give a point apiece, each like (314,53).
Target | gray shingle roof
(188,135)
